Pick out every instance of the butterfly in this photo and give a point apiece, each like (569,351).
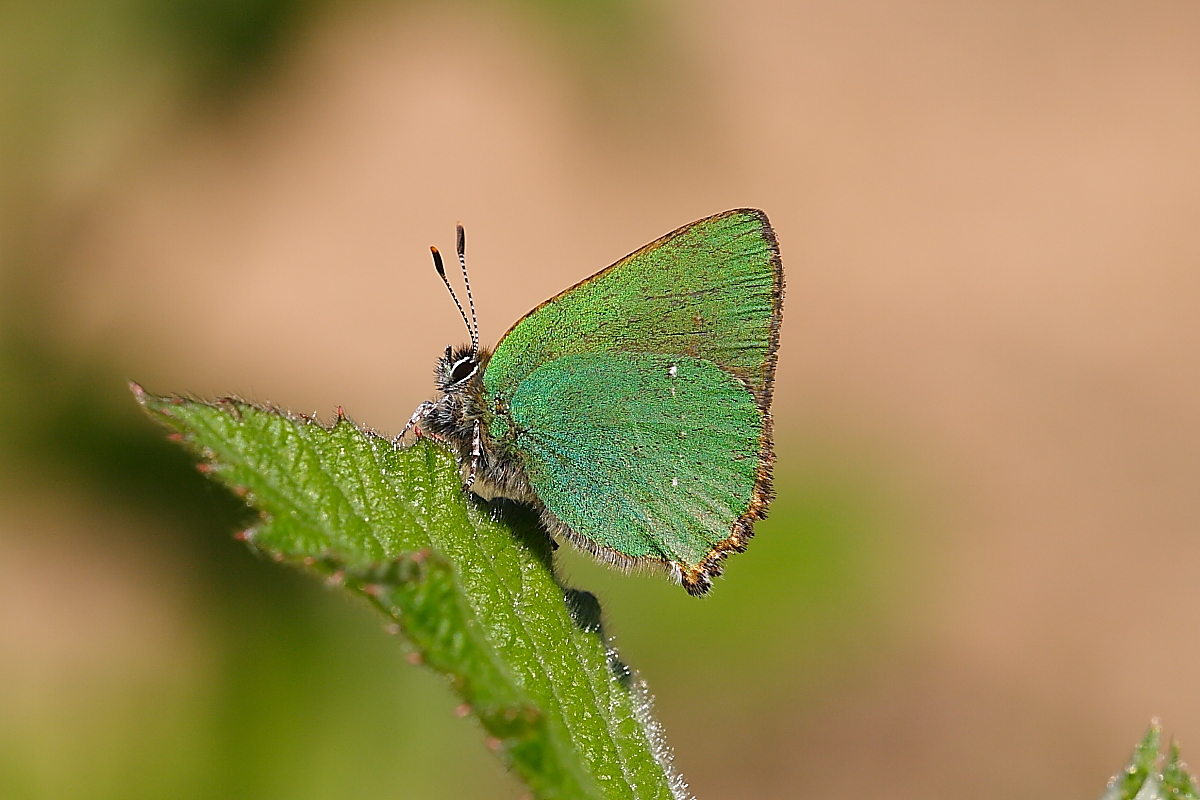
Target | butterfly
(632,410)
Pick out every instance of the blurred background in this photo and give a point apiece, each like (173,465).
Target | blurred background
(980,570)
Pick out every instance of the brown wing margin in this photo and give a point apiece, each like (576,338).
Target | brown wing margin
(698,580)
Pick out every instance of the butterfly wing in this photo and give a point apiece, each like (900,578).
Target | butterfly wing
(710,290)
(641,456)
(632,467)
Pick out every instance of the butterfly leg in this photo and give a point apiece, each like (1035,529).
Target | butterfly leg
(421,411)
(476,451)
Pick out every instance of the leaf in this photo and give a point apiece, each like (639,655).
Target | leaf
(469,586)
(1177,782)
(1141,779)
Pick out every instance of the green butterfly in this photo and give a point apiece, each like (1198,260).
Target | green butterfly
(633,409)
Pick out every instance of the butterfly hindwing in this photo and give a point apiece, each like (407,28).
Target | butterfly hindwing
(647,457)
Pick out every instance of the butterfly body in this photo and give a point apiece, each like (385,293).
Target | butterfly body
(633,409)
(462,410)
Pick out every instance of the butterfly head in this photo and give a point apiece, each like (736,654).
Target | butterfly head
(456,368)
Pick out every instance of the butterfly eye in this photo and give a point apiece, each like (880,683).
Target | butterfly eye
(462,369)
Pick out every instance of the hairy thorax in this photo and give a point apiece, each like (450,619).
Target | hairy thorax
(459,411)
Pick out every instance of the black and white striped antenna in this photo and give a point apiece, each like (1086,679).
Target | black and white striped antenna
(472,323)
(462,262)
(441,271)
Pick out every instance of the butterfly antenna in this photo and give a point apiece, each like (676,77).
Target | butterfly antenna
(462,262)
(441,271)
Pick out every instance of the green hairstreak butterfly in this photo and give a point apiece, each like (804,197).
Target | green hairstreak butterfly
(633,409)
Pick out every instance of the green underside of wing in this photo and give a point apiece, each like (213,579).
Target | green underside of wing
(709,290)
(651,456)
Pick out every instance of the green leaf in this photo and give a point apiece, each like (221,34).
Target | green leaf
(1141,779)
(1177,782)
(469,586)
(1129,783)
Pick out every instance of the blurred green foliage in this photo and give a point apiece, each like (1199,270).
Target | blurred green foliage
(225,42)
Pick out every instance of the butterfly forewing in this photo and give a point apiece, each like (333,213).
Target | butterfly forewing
(710,290)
